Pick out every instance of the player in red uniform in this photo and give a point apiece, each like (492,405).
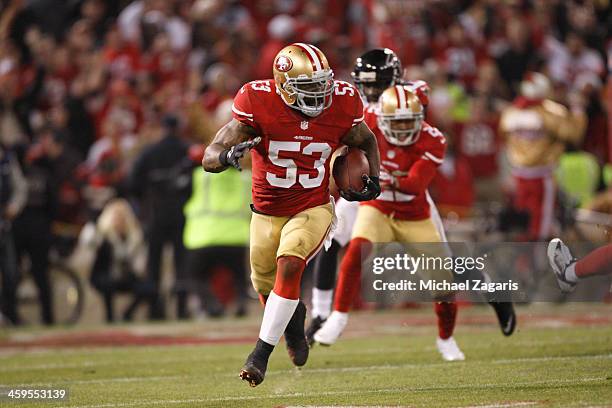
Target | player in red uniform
(411,151)
(569,270)
(374,71)
(293,124)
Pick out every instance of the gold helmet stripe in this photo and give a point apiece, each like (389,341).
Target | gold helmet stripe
(312,56)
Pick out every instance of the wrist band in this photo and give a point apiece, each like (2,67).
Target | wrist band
(223,157)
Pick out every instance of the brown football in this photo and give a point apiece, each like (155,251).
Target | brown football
(349,169)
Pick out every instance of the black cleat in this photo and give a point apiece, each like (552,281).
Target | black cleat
(252,374)
(313,327)
(297,347)
(254,369)
(505,316)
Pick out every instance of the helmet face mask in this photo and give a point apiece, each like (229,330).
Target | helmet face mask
(375,71)
(400,116)
(311,95)
(303,79)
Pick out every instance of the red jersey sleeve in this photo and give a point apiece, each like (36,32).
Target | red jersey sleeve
(433,146)
(242,109)
(418,179)
(357,109)
(348,99)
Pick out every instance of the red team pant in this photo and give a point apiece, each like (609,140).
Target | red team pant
(598,262)
(349,283)
(536,196)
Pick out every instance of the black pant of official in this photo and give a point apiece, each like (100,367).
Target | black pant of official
(200,265)
(160,233)
(10,276)
(32,232)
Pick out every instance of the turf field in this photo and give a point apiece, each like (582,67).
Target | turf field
(560,356)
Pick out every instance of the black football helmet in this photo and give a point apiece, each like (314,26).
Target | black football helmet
(375,71)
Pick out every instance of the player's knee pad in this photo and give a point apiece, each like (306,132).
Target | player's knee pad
(288,276)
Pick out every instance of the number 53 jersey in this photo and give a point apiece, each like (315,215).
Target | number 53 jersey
(291,163)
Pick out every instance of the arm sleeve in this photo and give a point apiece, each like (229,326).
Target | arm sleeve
(357,109)
(424,170)
(242,110)
(419,177)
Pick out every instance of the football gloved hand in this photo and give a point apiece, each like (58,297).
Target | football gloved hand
(370,191)
(232,156)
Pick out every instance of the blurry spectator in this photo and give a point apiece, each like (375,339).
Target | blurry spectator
(221,83)
(115,140)
(118,261)
(596,140)
(164,63)
(76,122)
(121,56)
(159,182)
(217,218)
(519,56)
(452,188)
(477,141)
(103,183)
(122,107)
(281,30)
(13,196)
(448,101)
(95,14)
(47,165)
(18,95)
(536,131)
(201,124)
(572,58)
(459,56)
(490,86)
(142,19)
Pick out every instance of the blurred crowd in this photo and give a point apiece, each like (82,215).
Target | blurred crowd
(100,101)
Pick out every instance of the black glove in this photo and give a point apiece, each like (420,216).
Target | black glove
(370,191)
(231,156)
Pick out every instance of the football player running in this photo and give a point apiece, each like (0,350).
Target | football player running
(374,71)
(411,151)
(293,123)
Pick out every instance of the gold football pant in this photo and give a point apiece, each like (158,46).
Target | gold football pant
(301,235)
(419,237)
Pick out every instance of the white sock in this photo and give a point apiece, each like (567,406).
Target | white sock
(570,273)
(321,302)
(276,317)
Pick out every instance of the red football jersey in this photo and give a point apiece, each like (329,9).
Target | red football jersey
(397,161)
(480,144)
(291,163)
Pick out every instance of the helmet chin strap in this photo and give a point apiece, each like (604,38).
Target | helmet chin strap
(311,113)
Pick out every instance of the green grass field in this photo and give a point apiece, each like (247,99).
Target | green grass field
(560,356)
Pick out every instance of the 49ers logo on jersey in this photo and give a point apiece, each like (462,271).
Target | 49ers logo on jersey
(283,63)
